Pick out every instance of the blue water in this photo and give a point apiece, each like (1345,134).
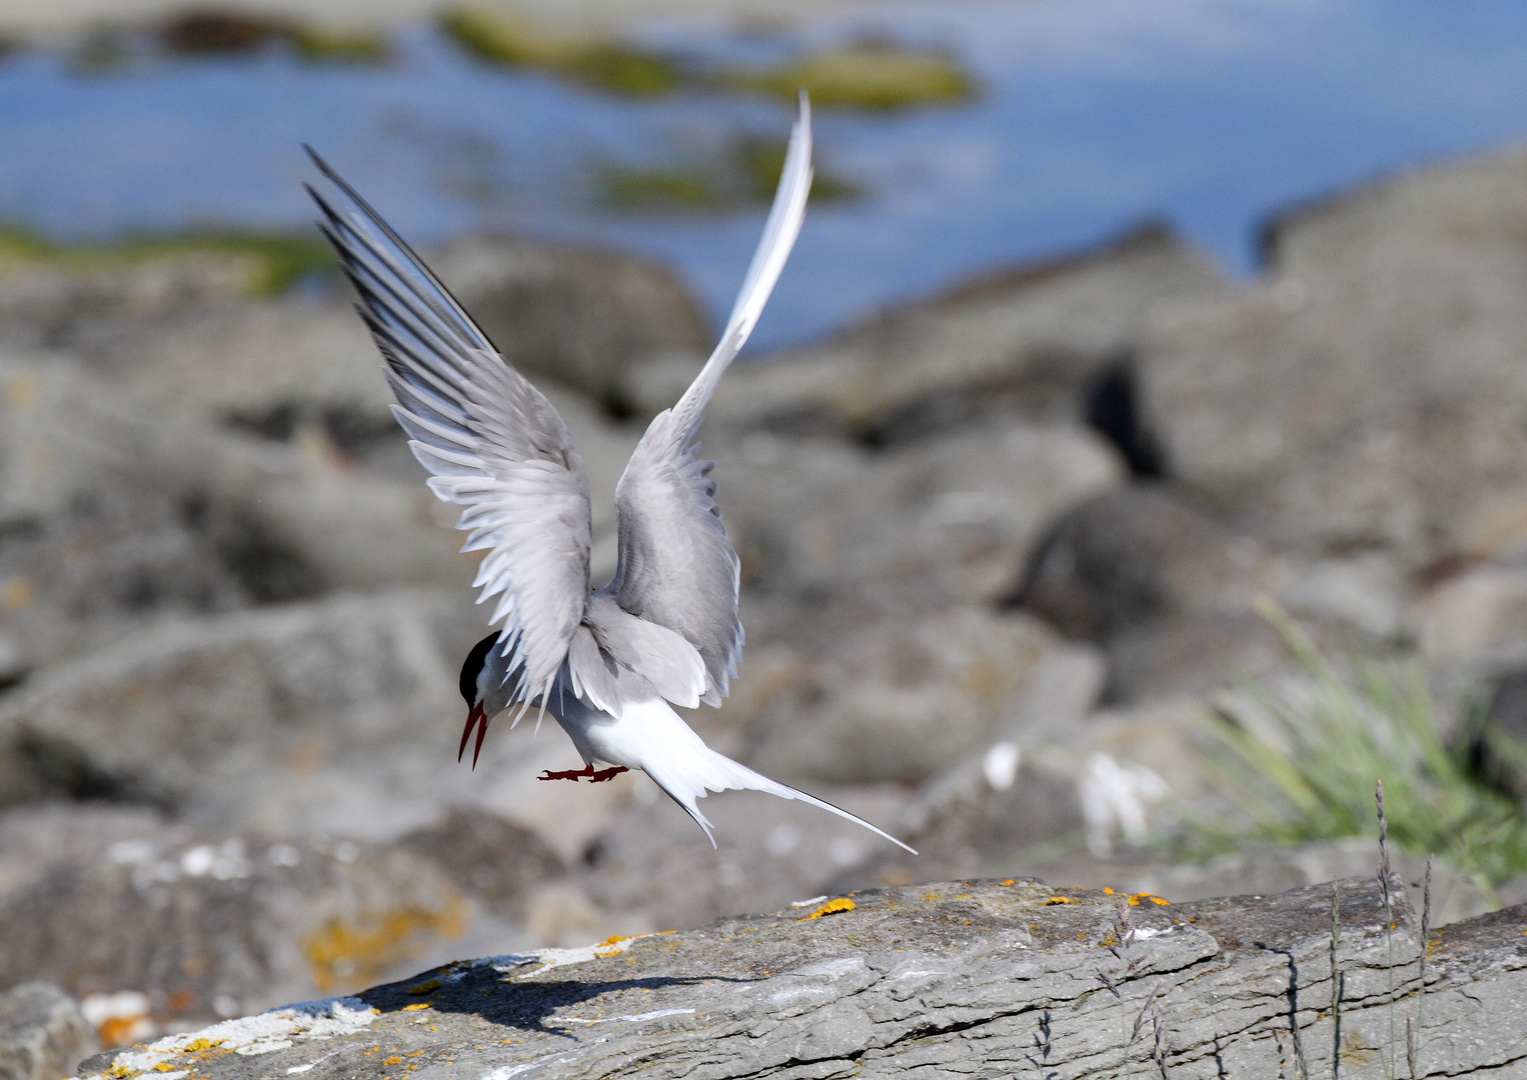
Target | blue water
(1093,115)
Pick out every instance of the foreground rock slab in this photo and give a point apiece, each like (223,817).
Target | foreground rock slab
(975,979)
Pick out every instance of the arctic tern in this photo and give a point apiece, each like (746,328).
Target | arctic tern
(605,664)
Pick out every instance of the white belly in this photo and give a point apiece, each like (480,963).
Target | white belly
(647,729)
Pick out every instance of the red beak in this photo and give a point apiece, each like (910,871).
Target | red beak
(477,718)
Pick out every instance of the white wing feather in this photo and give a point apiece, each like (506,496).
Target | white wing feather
(493,442)
(676,566)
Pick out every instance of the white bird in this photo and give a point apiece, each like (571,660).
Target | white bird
(607,663)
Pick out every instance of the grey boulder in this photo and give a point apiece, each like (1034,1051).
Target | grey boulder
(42,1034)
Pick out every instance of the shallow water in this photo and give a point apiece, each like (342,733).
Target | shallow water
(1093,114)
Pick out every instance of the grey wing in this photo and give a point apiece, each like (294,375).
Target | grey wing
(676,566)
(493,442)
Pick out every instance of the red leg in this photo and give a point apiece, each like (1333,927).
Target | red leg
(607,774)
(569,774)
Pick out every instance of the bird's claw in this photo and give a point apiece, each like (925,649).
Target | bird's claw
(588,772)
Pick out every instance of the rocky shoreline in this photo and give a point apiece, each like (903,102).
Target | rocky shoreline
(1004,551)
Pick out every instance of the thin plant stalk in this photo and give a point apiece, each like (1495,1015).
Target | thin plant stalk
(1335,981)
(1413,1041)
(1383,875)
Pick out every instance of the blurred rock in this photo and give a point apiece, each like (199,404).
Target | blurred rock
(300,384)
(288,719)
(1477,619)
(296,352)
(899,701)
(1133,556)
(1167,589)
(1495,739)
(1369,392)
(1034,340)
(948,520)
(561,915)
(207,925)
(498,862)
(1074,799)
(338,716)
(584,317)
(36,839)
(44,301)
(117,513)
(42,1034)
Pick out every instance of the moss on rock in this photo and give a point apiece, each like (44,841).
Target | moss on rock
(872,76)
(500,37)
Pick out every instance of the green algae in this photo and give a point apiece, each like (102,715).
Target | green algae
(315,44)
(499,37)
(744,173)
(269,262)
(875,75)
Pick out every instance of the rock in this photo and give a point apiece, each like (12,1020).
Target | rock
(497,861)
(44,301)
(1135,556)
(338,716)
(117,513)
(42,1034)
(946,521)
(38,838)
(978,978)
(1477,619)
(1168,590)
(1034,339)
(582,317)
(865,573)
(899,701)
(204,716)
(209,925)
(1367,393)
(1077,798)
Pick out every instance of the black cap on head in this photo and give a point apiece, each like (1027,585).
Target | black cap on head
(473,666)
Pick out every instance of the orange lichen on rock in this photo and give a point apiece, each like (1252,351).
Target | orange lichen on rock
(832,907)
(359,952)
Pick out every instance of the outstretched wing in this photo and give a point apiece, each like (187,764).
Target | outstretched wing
(676,566)
(493,442)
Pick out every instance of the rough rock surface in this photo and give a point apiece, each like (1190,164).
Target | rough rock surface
(976,979)
(42,1034)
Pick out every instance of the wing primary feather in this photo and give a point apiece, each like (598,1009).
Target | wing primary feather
(371,285)
(780,231)
(493,444)
(458,312)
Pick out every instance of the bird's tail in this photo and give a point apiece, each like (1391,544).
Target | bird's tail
(687,777)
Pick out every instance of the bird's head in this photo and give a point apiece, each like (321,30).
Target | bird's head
(480,690)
